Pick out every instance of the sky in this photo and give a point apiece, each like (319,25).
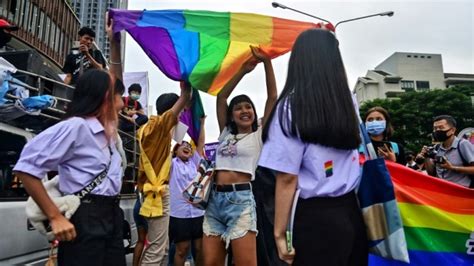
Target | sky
(438,27)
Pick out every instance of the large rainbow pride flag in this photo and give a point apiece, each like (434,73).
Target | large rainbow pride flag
(206,48)
(438,219)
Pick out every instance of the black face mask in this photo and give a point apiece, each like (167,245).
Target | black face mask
(440,135)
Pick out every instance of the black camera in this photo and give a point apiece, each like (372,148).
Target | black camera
(439,159)
(431,152)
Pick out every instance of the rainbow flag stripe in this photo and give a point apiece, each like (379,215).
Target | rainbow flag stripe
(206,48)
(438,219)
(328,168)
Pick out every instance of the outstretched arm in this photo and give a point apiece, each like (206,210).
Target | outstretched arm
(115,57)
(270,81)
(221,102)
(202,138)
(183,100)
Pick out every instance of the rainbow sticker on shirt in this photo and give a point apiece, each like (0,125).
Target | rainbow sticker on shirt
(328,168)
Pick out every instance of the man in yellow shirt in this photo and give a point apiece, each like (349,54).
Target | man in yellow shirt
(155,161)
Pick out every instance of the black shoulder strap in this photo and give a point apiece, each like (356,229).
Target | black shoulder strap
(97,180)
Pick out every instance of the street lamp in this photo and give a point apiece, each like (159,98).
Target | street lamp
(278,5)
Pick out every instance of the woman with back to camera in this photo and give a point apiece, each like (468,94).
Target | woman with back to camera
(379,126)
(81,148)
(311,141)
(230,216)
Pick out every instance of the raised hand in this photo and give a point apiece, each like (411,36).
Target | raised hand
(259,54)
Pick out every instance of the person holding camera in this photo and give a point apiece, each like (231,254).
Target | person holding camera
(453,158)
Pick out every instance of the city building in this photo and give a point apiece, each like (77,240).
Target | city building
(47,27)
(91,13)
(403,72)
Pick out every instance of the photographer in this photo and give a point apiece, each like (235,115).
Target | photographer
(453,158)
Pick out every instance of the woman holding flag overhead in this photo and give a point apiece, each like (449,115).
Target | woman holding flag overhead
(230,215)
(311,141)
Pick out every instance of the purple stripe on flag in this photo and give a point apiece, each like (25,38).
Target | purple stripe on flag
(187,118)
(124,19)
(157,44)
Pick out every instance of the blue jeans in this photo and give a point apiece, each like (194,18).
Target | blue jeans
(230,215)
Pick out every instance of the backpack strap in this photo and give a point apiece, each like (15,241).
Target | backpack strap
(395,147)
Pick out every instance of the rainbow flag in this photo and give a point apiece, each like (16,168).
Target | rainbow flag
(438,219)
(206,48)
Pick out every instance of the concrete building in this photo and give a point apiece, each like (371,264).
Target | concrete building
(403,72)
(91,13)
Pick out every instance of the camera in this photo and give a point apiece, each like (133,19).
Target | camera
(439,159)
(431,152)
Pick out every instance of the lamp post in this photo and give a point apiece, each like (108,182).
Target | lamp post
(387,13)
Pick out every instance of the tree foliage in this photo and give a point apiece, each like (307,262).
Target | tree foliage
(412,114)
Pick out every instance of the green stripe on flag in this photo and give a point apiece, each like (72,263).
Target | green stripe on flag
(427,239)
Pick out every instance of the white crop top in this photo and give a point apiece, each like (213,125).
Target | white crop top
(239,152)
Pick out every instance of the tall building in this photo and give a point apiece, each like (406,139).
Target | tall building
(46,27)
(403,72)
(91,13)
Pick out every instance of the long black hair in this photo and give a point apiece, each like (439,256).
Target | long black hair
(230,124)
(316,104)
(89,94)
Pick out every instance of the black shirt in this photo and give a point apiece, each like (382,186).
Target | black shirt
(73,63)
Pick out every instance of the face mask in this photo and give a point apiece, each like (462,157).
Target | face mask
(440,135)
(134,96)
(375,128)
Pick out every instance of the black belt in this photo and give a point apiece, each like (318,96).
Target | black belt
(233,187)
(100,199)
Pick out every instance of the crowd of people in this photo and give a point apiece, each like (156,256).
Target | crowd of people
(307,139)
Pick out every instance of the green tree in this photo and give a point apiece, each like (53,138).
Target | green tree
(412,114)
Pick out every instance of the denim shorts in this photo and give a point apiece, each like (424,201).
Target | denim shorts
(230,215)
(139,220)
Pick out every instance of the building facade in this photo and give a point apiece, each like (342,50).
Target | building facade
(47,26)
(404,72)
(91,13)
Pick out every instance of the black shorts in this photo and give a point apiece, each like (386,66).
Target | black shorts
(185,229)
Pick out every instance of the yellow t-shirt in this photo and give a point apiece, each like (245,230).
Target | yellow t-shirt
(155,139)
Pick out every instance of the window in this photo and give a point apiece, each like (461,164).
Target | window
(26,14)
(408,55)
(415,56)
(422,85)
(41,25)
(34,20)
(408,85)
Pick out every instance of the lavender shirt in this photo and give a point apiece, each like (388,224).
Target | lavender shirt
(77,148)
(182,174)
(321,171)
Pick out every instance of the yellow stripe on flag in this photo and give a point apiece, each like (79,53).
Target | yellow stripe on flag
(430,217)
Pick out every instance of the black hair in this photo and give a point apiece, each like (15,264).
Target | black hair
(316,103)
(165,101)
(230,121)
(119,87)
(135,87)
(449,119)
(388,132)
(89,94)
(86,31)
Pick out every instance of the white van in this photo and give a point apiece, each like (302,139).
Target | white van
(20,245)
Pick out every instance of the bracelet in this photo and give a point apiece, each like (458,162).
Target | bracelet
(115,63)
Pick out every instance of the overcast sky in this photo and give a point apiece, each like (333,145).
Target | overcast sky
(439,27)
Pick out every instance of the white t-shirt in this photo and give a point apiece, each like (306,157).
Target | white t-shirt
(239,152)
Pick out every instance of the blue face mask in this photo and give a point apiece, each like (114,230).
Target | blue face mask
(135,96)
(375,128)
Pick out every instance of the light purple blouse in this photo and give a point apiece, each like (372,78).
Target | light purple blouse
(77,148)
(321,171)
(182,174)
